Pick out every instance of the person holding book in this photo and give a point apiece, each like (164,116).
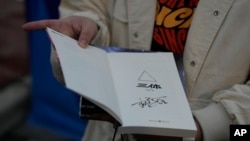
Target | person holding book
(211,35)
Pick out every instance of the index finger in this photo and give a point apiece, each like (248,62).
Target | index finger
(40,25)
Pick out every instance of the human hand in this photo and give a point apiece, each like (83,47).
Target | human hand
(102,117)
(80,28)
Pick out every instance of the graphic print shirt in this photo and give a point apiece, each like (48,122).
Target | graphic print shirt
(172,21)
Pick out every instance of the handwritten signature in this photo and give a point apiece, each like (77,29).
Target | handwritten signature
(150,101)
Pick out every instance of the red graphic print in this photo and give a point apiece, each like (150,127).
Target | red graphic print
(173,19)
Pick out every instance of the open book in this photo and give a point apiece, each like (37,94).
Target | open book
(142,91)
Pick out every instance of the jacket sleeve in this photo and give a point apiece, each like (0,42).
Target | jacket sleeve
(231,106)
(93,9)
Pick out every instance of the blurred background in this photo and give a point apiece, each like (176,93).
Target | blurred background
(33,105)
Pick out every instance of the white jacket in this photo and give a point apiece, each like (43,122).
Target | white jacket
(216,56)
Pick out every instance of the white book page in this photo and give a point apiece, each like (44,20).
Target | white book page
(86,71)
(150,92)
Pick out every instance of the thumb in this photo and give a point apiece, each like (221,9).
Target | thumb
(85,37)
(83,43)
(88,32)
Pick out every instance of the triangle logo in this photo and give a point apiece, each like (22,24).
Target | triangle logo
(145,76)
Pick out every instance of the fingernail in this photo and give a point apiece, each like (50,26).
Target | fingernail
(83,43)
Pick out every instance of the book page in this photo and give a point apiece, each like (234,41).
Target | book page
(150,94)
(86,71)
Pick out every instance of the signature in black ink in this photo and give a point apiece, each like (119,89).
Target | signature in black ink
(150,102)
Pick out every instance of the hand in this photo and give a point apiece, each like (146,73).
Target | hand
(103,117)
(80,28)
